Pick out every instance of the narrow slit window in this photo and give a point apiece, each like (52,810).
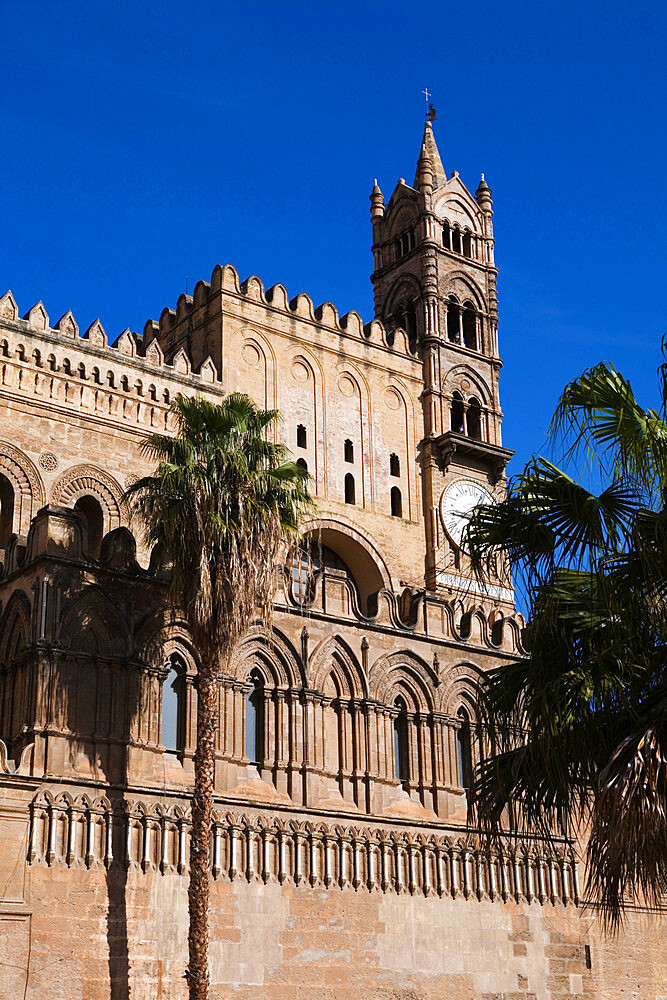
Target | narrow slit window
(396,502)
(349,489)
(394,465)
(348,450)
(301,436)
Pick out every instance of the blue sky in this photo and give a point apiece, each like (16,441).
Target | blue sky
(144,142)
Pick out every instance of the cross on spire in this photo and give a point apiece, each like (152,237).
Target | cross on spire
(427,94)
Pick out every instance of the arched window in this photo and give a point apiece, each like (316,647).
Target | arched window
(474,419)
(411,323)
(90,510)
(467,244)
(172,720)
(456,413)
(469,324)
(446,236)
(349,488)
(453,321)
(301,436)
(396,502)
(303,463)
(348,450)
(463,750)
(301,569)
(456,240)
(401,756)
(6,511)
(254,719)
(394,465)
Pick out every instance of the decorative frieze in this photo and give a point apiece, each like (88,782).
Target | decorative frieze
(94,833)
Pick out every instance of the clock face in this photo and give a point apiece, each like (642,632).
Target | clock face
(457,503)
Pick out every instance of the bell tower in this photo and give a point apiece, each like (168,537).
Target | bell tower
(434,276)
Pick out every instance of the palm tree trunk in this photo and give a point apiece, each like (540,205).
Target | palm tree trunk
(202,805)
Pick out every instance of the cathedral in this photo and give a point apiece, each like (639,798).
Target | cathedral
(342,866)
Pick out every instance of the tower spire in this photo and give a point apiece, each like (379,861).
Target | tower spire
(429,150)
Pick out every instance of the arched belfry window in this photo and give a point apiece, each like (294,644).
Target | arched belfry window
(456,240)
(6,511)
(446,236)
(457,413)
(394,465)
(172,719)
(348,450)
(467,244)
(254,719)
(469,326)
(90,509)
(401,755)
(396,502)
(474,419)
(301,436)
(453,321)
(464,750)
(349,489)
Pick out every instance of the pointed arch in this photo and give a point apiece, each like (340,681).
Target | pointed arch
(162,634)
(334,657)
(91,623)
(461,689)
(463,287)
(404,674)
(14,626)
(454,379)
(272,654)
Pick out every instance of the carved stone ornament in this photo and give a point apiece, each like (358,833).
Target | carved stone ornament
(48,461)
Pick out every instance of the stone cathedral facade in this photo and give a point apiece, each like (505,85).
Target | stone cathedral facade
(342,865)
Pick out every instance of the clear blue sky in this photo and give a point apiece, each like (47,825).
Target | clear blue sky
(143,142)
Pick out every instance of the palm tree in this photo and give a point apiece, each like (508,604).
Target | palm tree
(577,731)
(222,502)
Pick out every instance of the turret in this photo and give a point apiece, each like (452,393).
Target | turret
(483,196)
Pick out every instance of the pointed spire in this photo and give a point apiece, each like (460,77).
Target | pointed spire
(429,150)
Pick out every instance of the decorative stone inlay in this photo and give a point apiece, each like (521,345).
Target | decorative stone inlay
(48,461)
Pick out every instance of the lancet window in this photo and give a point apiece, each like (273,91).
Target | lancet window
(464,750)
(172,720)
(401,753)
(254,719)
